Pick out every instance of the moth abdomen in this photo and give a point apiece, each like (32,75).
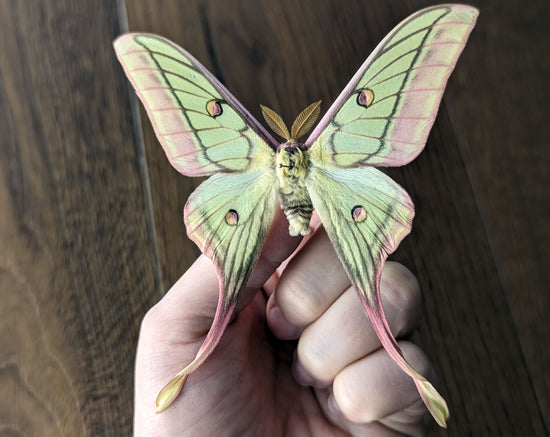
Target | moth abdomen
(301,211)
(298,219)
(298,209)
(292,165)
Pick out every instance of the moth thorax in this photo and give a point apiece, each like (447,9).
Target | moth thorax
(291,167)
(291,161)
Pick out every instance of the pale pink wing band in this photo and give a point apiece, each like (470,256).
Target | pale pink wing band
(201,126)
(385,113)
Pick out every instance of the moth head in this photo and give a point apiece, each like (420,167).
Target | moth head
(303,123)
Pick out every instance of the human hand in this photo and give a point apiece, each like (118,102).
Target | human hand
(334,380)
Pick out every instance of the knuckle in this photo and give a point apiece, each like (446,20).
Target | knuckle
(312,355)
(158,325)
(151,320)
(417,358)
(298,301)
(352,402)
(401,291)
(356,386)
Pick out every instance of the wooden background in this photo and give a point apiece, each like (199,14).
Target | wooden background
(90,222)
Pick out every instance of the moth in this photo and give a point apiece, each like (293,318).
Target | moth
(382,118)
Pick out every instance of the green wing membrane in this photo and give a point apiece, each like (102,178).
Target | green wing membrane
(362,241)
(204,130)
(382,118)
(228,217)
(201,126)
(384,115)
(366,215)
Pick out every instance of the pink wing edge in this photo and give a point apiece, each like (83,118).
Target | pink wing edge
(400,159)
(126,45)
(434,402)
(222,317)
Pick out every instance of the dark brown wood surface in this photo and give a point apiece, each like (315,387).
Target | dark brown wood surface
(90,221)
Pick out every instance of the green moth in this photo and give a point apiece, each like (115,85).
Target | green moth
(381,118)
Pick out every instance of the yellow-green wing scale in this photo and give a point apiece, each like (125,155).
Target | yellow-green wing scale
(204,130)
(229,225)
(384,115)
(382,118)
(201,126)
(228,216)
(366,215)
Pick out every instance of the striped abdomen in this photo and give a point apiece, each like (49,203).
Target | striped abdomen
(291,169)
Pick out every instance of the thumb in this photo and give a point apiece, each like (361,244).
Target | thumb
(186,312)
(278,246)
(188,308)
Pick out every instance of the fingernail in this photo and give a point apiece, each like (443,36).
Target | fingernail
(333,406)
(300,375)
(280,326)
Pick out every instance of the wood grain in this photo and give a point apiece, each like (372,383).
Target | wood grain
(507,150)
(76,264)
(81,262)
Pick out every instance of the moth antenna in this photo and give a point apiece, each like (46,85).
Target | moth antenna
(305,120)
(275,122)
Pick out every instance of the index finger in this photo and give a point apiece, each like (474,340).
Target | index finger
(195,294)
(278,246)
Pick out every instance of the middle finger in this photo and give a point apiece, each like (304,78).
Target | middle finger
(309,284)
(343,333)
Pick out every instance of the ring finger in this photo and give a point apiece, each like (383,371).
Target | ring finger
(343,333)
